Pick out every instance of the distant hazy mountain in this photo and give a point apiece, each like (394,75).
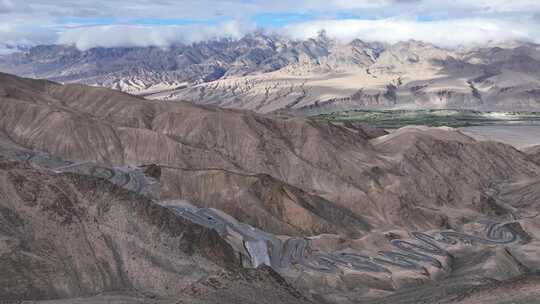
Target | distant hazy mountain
(9,48)
(268,73)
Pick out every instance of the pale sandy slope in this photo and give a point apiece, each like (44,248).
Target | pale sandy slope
(521,137)
(410,75)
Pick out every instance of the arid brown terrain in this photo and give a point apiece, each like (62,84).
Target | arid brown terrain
(338,188)
(66,236)
(534,153)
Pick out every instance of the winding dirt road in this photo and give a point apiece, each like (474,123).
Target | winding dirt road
(411,254)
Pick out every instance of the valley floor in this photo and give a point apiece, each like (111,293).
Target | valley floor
(394,119)
(517,136)
(521,130)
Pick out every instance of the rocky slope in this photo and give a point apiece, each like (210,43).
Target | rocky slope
(67,235)
(327,188)
(268,73)
(534,153)
(281,168)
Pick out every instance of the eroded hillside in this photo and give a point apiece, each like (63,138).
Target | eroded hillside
(319,188)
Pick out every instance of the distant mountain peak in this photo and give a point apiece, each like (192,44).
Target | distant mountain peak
(267,72)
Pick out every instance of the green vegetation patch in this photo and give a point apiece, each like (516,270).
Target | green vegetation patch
(393,119)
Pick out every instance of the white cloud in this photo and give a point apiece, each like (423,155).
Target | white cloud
(501,5)
(6,6)
(161,36)
(459,21)
(446,33)
(16,34)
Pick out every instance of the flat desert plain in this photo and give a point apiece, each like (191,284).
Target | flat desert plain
(518,136)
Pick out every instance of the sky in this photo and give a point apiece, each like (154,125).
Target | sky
(111,23)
